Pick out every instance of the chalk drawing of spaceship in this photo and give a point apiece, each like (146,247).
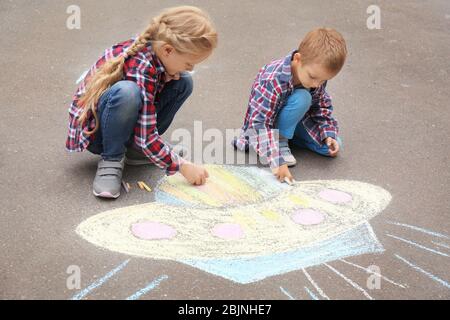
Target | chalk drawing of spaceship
(243,225)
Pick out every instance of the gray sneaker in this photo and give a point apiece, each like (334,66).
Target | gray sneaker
(286,153)
(108,179)
(134,157)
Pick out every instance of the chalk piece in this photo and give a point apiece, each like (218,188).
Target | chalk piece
(289,181)
(146,187)
(125,186)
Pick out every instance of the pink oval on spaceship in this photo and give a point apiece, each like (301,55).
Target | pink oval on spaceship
(152,231)
(228,231)
(335,196)
(308,217)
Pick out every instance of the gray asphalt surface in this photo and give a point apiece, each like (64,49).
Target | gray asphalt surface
(391,100)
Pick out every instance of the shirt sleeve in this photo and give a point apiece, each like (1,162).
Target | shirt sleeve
(264,99)
(146,134)
(321,113)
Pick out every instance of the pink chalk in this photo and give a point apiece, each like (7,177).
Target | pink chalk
(228,231)
(335,196)
(308,217)
(152,231)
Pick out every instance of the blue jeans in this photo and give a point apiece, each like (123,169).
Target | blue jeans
(290,126)
(118,111)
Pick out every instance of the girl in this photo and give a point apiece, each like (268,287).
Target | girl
(132,93)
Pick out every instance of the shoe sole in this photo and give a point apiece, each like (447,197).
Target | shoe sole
(106,194)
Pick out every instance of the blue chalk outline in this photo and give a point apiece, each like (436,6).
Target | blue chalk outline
(152,285)
(360,240)
(100,281)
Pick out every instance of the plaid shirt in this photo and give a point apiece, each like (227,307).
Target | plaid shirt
(270,91)
(147,71)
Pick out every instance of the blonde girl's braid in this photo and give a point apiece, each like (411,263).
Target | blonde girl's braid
(188,29)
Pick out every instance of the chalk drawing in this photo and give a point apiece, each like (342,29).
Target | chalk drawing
(244,225)
(319,290)
(375,273)
(418,245)
(152,285)
(423,230)
(311,294)
(351,282)
(100,281)
(287,293)
(440,244)
(428,274)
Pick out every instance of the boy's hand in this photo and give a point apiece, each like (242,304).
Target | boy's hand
(333,146)
(194,174)
(282,172)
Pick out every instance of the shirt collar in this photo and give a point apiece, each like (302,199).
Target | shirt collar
(157,63)
(286,70)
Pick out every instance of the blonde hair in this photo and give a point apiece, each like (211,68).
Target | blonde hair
(188,29)
(325,46)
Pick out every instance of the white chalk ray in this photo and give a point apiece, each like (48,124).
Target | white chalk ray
(419,229)
(349,281)
(423,271)
(440,244)
(305,225)
(374,273)
(319,290)
(287,293)
(418,245)
(311,294)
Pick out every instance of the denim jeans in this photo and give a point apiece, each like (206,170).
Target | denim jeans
(289,122)
(118,111)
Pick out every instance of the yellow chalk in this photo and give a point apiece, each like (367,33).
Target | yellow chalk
(299,200)
(271,215)
(143,186)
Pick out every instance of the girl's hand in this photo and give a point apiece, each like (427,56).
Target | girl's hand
(333,146)
(282,172)
(194,174)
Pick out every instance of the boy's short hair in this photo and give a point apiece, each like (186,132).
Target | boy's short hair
(325,46)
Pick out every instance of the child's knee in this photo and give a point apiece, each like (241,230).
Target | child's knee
(300,98)
(127,95)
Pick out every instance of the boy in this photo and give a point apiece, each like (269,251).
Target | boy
(289,95)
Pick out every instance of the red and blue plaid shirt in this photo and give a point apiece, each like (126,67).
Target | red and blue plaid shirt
(270,91)
(147,71)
